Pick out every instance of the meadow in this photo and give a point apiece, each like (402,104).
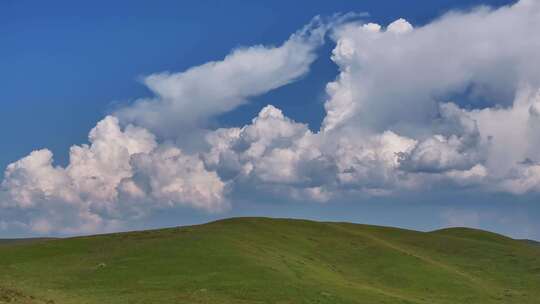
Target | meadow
(262,260)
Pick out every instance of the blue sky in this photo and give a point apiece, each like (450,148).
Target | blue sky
(66,65)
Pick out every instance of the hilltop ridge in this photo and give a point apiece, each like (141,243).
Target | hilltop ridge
(264,260)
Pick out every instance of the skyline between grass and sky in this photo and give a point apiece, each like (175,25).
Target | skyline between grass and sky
(131,115)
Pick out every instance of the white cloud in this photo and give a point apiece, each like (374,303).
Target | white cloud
(97,169)
(188,99)
(269,150)
(276,152)
(101,186)
(472,177)
(169,177)
(400,26)
(395,78)
(523,178)
(511,130)
(47,197)
(459,149)
(33,179)
(402,80)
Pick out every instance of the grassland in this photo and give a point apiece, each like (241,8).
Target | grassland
(258,260)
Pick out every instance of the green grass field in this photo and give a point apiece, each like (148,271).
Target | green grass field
(259,260)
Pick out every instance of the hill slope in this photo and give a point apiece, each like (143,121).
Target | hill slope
(258,260)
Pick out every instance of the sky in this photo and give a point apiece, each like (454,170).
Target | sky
(131,115)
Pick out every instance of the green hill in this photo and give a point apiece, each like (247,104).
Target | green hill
(259,260)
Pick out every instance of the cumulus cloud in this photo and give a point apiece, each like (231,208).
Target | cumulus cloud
(168,176)
(121,173)
(33,179)
(47,197)
(270,152)
(97,169)
(464,86)
(278,153)
(454,103)
(457,147)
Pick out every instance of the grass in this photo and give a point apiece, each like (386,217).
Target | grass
(260,260)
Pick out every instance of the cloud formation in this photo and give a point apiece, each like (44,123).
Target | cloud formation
(111,179)
(188,99)
(453,104)
(394,78)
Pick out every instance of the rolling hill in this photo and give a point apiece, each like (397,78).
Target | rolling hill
(260,260)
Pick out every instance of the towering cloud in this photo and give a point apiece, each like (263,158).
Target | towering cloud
(395,77)
(465,87)
(454,103)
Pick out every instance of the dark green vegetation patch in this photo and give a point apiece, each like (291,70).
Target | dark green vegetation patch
(257,260)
